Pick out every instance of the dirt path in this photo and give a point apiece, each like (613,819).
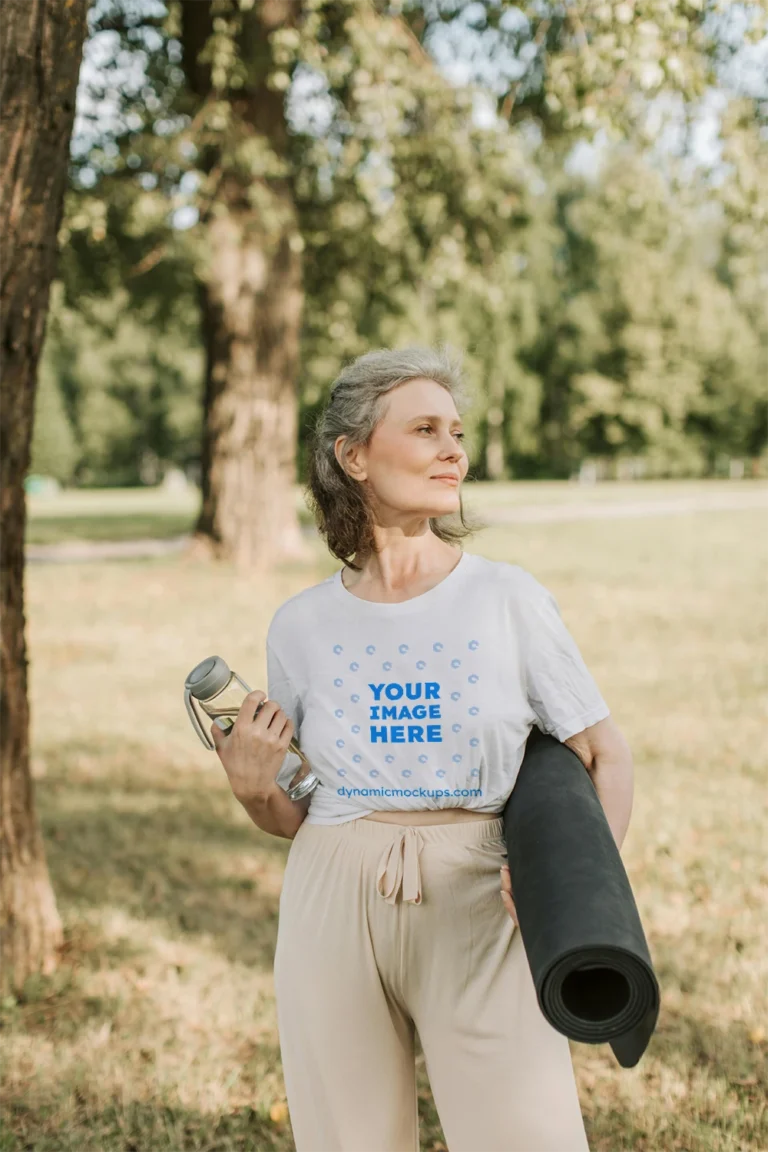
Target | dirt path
(77,550)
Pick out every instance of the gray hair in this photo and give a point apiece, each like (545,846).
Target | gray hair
(356,405)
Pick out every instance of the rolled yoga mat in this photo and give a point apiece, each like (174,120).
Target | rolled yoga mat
(575,909)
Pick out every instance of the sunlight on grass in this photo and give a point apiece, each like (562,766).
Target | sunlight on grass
(154,513)
(159,1032)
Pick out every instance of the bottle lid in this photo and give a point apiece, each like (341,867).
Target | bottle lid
(208,678)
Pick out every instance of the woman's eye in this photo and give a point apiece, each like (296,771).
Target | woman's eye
(458,435)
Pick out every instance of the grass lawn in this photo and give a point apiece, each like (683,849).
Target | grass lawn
(152,513)
(158,1033)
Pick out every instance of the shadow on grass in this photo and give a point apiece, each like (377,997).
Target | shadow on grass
(75,1123)
(128,526)
(116,525)
(161,845)
(126,830)
(685,1041)
(723,1048)
(137,1126)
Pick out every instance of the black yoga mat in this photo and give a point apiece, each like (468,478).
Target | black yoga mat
(575,909)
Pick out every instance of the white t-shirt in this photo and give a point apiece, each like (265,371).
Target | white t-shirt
(426,703)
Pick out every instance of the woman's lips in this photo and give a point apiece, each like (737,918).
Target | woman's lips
(447,479)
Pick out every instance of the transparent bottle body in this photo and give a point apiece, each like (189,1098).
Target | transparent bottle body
(225,707)
(226,704)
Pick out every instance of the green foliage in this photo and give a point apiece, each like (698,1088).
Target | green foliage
(656,355)
(54,449)
(620,315)
(126,390)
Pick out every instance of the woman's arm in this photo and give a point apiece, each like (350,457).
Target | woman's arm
(605,753)
(276,813)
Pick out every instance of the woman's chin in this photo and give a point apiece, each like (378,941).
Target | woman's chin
(444,507)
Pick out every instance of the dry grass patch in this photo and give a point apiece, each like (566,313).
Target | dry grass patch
(158,1033)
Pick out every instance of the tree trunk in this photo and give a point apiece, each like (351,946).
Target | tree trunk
(251,306)
(252,302)
(40,53)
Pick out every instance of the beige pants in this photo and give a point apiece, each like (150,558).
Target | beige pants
(385,929)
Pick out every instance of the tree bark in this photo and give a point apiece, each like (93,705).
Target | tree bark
(252,302)
(40,52)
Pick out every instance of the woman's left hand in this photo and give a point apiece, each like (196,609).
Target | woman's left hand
(506,892)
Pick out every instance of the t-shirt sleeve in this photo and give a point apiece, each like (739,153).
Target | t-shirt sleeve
(561,689)
(283,691)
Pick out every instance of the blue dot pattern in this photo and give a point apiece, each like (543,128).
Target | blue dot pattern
(400,722)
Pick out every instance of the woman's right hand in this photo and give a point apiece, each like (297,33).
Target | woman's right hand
(255,747)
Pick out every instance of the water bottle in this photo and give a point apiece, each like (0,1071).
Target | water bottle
(212,690)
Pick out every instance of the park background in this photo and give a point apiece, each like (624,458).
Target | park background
(572,194)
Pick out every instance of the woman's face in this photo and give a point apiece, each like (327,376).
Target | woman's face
(419,436)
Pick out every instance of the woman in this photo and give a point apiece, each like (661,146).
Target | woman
(412,678)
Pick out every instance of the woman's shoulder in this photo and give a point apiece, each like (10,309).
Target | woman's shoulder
(510,577)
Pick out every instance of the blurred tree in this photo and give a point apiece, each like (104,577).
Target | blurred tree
(40,50)
(646,354)
(394,173)
(743,262)
(117,386)
(398,175)
(411,222)
(54,450)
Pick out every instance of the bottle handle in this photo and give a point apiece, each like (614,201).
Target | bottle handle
(205,738)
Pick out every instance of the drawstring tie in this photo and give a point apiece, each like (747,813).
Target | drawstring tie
(399,866)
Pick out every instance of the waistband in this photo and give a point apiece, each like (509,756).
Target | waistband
(379,832)
(398,867)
